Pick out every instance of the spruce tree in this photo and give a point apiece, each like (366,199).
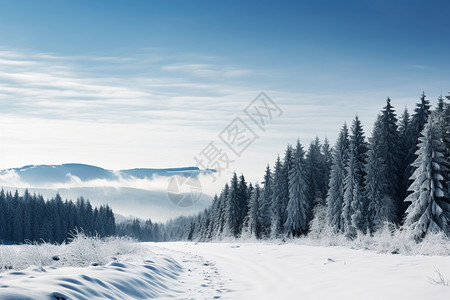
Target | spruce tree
(404,131)
(276,214)
(222,214)
(441,104)
(338,174)
(430,206)
(233,213)
(244,197)
(254,219)
(284,177)
(381,206)
(17,220)
(444,122)
(266,203)
(354,204)
(215,211)
(3,216)
(327,152)
(418,121)
(390,150)
(316,172)
(298,206)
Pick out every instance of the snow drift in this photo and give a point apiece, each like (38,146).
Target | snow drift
(87,268)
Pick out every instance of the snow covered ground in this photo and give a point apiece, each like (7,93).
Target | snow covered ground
(234,271)
(290,271)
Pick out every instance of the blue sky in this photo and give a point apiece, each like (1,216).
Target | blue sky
(125,84)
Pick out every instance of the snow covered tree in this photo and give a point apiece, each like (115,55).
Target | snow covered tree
(254,219)
(250,190)
(284,177)
(441,104)
(418,120)
(233,212)
(444,122)
(327,152)
(319,224)
(338,174)
(276,225)
(403,132)
(28,217)
(204,232)
(222,214)
(354,204)
(298,205)
(430,206)
(215,211)
(3,215)
(381,206)
(316,172)
(17,223)
(244,197)
(266,203)
(390,151)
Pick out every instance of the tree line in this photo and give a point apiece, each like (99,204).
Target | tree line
(31,218)
(400,174)
(142,230)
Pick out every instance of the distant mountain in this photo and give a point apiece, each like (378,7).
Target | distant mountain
(140,192)
(51,174)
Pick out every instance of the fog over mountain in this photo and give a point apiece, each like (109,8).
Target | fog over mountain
(139,192)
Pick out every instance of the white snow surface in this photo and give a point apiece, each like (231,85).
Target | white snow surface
(292,271)
(237,270)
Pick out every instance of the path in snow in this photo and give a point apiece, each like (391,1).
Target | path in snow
(289,271)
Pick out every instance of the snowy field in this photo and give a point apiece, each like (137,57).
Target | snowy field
(126,270)
(289,271)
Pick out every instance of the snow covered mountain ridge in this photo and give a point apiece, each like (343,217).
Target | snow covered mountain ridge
(139,192)
(43,175)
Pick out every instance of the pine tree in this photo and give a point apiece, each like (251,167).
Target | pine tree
(254,219)
(338,174)
(244,198)
(3,215)
(58,233)
(233,214)
(418,121)
(284,177)
(27,216)
(250,190)
(266,203)
(430,206)
(222,214)
(381,207)
(17,221)
(441,104)
(390,151)
(316,172)
(444,124)
(276,225)
(204,233)
(354,204)
(298,208)
(215,211)
(327,152)
(404,131)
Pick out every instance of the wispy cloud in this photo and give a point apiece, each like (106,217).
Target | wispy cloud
(70,88)
(206,70)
